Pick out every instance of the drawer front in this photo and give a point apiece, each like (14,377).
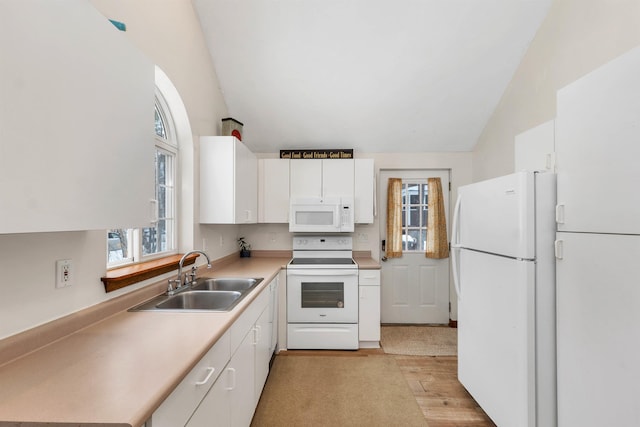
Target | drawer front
(183,401)
(245,322)
(369,278)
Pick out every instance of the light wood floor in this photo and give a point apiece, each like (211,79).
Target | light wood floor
(434,382)
(443,400)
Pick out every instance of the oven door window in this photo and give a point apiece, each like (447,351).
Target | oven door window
(322,295)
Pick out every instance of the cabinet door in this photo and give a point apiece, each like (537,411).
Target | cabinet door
(262,346)
(246,188)
(597,148)
(179,406)
(306,178)
(369,313)
(364,191)
(597,328)
(535,148)
(322,178)
(217,176)
(214,409)
(273,191)
(242,386)
(337,178)
(273,307)
(228,181)
(76,111)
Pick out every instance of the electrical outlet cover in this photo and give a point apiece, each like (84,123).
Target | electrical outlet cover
(64,273)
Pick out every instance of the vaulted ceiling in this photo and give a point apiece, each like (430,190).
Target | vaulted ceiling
(372,75)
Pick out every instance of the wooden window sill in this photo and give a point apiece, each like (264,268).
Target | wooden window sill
(125,276)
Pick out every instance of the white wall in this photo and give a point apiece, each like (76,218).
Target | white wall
(169,33)
(576,37)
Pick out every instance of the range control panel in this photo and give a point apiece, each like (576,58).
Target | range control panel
(323,243)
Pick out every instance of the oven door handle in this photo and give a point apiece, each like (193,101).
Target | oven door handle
(323,272)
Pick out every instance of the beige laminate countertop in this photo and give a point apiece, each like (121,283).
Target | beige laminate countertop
(367,263)
(118,371)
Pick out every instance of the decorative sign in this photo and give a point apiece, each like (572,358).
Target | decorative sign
(317,154)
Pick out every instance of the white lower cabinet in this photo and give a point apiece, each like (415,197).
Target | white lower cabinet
(230,402)
(178,408)
(241,375)
(225,386)
(369,308)
(263,354)
(214,409)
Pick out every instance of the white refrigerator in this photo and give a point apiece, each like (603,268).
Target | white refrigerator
(598,246)
(503,268)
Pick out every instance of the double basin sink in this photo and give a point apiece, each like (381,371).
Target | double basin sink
(204,294)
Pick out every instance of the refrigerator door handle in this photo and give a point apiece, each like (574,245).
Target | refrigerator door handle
(559,249)
(455,246)
(560,213)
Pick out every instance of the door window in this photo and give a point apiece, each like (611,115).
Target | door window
(414,215)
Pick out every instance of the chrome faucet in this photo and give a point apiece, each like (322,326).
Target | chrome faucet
(178,281)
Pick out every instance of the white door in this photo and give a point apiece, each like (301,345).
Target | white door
(598,323)
(414,289)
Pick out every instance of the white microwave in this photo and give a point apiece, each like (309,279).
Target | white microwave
(321,215)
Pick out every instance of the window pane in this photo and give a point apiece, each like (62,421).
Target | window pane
(161,167)
(414,216)
(150,240)
(160,238)
(414,194)
(160,127)
(404,216)
(414,219)
(118,245)
(414,240)
(424,216)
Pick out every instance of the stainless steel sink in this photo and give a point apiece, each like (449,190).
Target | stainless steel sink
(201,300)
(206,294)
(225,284)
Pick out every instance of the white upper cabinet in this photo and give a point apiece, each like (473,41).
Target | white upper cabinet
(305,178)
(338,177)
(322,178)
(280,178)
(364,194)
(228,181)
(76,121)
(535,148)
(597,149)
(273,190)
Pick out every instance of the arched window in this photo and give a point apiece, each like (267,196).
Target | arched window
(133,245)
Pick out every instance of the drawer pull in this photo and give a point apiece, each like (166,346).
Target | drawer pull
(233,379)
(206,380)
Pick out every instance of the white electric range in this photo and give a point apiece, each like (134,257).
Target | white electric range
(322,294)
